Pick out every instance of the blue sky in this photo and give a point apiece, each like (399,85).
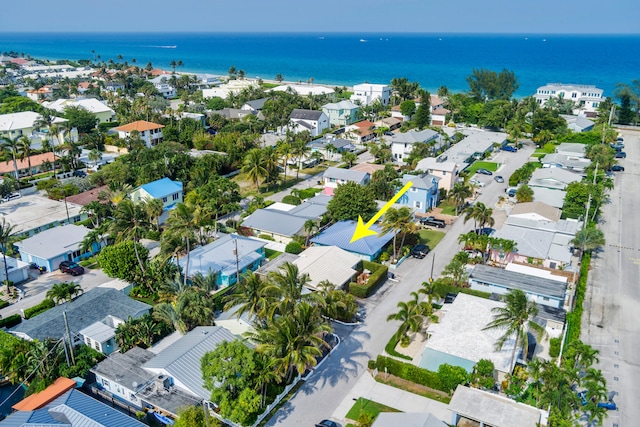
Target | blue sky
(439,16)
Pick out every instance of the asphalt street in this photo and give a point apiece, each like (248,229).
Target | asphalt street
(324,391)
(612,304)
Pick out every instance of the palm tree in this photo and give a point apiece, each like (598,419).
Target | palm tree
(588,239)
(411,315)
(24,151)
(254,166)
(154,209)
(167,313)
(459,193)
(93,237)
(130,221)
(289,284)
(349,158)
(283,149)
(94,156)
(516,319)
(6,237)
(309,226)
(11,146)
(483,215)
(534,367)
(524,194)
(207,282)
(253,296)
(300,149)
(430,290)
(457,270)
(182,222)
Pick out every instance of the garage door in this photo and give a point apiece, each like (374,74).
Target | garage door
(55,263)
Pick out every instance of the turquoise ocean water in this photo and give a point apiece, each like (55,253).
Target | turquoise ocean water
(346,59)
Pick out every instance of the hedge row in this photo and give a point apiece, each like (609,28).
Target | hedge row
(3,303)
(574,319)
(40,308)
(443,289)
(377,278)
(10,321)
(409,372)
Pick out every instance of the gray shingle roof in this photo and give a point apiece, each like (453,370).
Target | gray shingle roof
(424,182)
(414,136)
(182,359)
(257,104)
(90,307)
(513,280)
(305,114)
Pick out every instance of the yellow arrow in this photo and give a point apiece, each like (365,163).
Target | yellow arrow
(363,230)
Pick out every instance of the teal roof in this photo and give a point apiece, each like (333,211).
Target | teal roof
(432,359)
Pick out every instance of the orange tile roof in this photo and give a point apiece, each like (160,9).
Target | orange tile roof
(158,72)
(365,124)
(140,126)
(87,197)
(36,160)
(38,400)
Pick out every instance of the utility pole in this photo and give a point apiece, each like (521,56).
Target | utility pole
(235,252)
(66,325)
(433,260)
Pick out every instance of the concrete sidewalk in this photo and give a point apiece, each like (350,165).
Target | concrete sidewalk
(401,400)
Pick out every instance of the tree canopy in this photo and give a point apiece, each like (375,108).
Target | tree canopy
(487,85)
(351,200)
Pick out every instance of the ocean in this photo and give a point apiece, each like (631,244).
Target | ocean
(433,60)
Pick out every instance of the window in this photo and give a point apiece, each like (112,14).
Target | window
(444,173)
(332,180)
(545,299)
(96,345)
(413,190)
(105,383)
(164,200)
(176,196)
(417,205)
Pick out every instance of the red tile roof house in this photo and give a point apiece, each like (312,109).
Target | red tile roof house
(37,160)
(150,133)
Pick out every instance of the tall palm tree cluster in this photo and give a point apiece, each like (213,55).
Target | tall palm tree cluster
(412,313)
(143,331)
(501,250)
(65,291)
(400,221)
(290,324)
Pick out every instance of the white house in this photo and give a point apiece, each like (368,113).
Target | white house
(231,87)
(333,177)
(92,105)
(310,120)
(150,133)
(367,93)
(587,98)
(23,124)
(438,112)
(161,83)
(402,143)
(307,90)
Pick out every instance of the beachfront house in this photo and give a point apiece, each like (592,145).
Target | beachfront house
(585,98)
(367,93)
(341,113)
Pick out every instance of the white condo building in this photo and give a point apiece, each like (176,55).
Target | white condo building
(586,98)
(366,93)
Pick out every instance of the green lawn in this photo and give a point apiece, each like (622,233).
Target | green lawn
(271,254)
(370,407)
(492,166)
(448,208)
(430,237)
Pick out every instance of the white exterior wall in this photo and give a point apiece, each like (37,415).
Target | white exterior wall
(366,93)
(119,390)
(502,291)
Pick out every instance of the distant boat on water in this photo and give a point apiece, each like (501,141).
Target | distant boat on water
(363,41)
(168,47)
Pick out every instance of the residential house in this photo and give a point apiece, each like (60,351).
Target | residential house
(161,83)
(113,86)
(254,106)
(440,167)
(228,256)
(578,123)
(569,162)
(42,398)
(307,90)
(423,194)
(283,225)
(340,233)
(71,409)
(315,122)
(586,98)
(341,113)
(165,189)
(460,337)
(31,165)
(500,281)
(18,269)
(327,264)
(571,149)
(476,144)
(23,124)
(553,178)
(361,132)
(32,214)
(86,197)
(330,146)
(548,196)
(367,93)
(104,305)
(392,123)
(150,133)
(438,112)
(333,177)
(472,406)
(231,87)
(92,105)
(232,113)
(408,419)
(402,143)
(50,247)
(124,378)
(40,94)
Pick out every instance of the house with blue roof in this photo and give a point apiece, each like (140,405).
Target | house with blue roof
(226,256)
(340,233)
(423,194)
(165,189)
(72,409)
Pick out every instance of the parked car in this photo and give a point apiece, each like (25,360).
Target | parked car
(11,196)
(621,155)
(509,148)
(71,267)
(498,178)
(433,222)
(511,192)
(420,251)
(620,139)
(476,182)
(79,173)
(617,147)
(483,171)
(487,231)
(617,168)
(327,423)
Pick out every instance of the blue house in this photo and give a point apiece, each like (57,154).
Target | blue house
(340,233)
(226,256)
(423,194)
(50,247)
(165,189)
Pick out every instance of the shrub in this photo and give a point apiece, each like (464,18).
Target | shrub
(293,248)
(371,364)
(308,192)
(377,278)
(40,308)
(554,347)
(451,376)
(390,348)
(574,318)
(291,200)
(3,303)
(10,321)
(410,372)
(442,288)
(266,237)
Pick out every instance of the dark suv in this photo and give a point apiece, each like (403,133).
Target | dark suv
(433,222)
(420,251)
(71,267)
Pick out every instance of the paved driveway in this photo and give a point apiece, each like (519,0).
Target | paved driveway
(325,391)
(610,318)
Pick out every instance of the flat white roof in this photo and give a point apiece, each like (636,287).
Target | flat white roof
(33,211)
(460,332)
